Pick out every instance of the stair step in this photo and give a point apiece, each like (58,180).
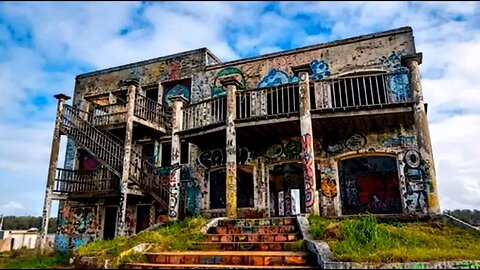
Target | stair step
(212,266)
(264,229)
(258,221)
(259,258)
(252,237)
(250,246)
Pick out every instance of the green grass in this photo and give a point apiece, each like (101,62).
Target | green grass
(364,239)
(176,236)
(32,259)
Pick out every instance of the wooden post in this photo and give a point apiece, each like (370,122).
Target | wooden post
(412,62)
(311,198)
(52,167)
(231,83)
(177,122)
(121,227)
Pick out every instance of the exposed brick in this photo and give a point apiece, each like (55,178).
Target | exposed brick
(256,260)
(294,260)
(280,238)
(273,260)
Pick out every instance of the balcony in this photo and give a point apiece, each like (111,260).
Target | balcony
(77,183)
(147,113)
(274,111)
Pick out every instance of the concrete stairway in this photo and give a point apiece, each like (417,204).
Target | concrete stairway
(239,244)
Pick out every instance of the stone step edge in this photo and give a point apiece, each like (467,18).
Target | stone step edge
(230,253)
(239,243)
(270,218)
(254,234)
(222,266)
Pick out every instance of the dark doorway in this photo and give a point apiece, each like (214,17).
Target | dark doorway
(143,217)
(110,225)
(370,185)
(244,187)
(287,189)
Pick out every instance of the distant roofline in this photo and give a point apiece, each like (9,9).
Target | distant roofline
(404,29)
(145,62)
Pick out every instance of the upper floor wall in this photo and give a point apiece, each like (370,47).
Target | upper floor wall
(379,52)
(165,74)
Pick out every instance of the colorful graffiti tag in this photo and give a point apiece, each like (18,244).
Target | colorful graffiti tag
(398,83)
(218,157)
(328,183)
(76,226)
(308,172)
(415,191)
(217,89)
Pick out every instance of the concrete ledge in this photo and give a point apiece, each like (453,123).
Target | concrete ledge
(211,223)
(324,256)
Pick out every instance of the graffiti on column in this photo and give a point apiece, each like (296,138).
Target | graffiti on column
(123,191)
(328,183)
(415,191)
(308,166)
(174,192)
(280,204)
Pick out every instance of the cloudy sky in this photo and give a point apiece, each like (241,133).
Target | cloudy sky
(44,45)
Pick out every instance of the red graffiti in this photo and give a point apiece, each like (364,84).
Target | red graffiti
(174,71)
(308,171)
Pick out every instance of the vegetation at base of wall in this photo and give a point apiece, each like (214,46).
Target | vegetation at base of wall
(364,239)
(32,259)
(174,236)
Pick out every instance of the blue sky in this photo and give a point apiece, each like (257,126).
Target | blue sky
(43,45)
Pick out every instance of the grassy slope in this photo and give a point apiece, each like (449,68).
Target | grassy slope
(32,259)
(176,236)
(364,239)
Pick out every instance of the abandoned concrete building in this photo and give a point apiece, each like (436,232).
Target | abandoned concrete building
(338,128)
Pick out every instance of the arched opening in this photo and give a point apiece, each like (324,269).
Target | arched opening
(218,192)
(369,185)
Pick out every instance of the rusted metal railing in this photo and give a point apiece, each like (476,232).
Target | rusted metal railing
(152,111)
(206,112)
(361,91)
(109,114)
(78,181)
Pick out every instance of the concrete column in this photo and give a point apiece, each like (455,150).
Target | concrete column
(121,226)
(52,167)
(412,62)
(311,197)
(177,121)
(231,83)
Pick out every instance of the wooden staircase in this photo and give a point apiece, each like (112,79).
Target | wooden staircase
(109,150)
(239,244)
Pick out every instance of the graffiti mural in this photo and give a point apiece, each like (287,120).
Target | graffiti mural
(281,204)
(172,70)
(177,90)
(370,184)
(275,77)
(415,191)
(398,82)
(320,70)
(287,150)
(356,142)
(217,88)
(218,157)
(398,141)
(76,226)
(328,174)
(308,171)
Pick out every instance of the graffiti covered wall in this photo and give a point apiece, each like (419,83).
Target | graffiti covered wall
(76,226)
(325,61)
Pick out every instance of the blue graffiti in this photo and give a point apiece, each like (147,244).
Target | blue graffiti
(274,77)
(320,70)
(177,90)
(217,90)
(398,82)
(61,243)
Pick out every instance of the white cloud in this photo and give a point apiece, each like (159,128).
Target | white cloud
(67,38)
(11,208)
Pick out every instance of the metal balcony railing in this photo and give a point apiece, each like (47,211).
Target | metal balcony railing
(362,91)
(77,181)
(206,112)
(110,114)
(152,111)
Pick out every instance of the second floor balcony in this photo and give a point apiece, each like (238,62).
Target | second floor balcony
(147,112)
(362,93)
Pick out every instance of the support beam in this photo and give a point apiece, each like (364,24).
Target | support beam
(412,62)
(47,205)
(121,226)
(311,196)
(231,83)
(177,122)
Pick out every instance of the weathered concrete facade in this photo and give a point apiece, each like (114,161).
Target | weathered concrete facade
(335,129)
